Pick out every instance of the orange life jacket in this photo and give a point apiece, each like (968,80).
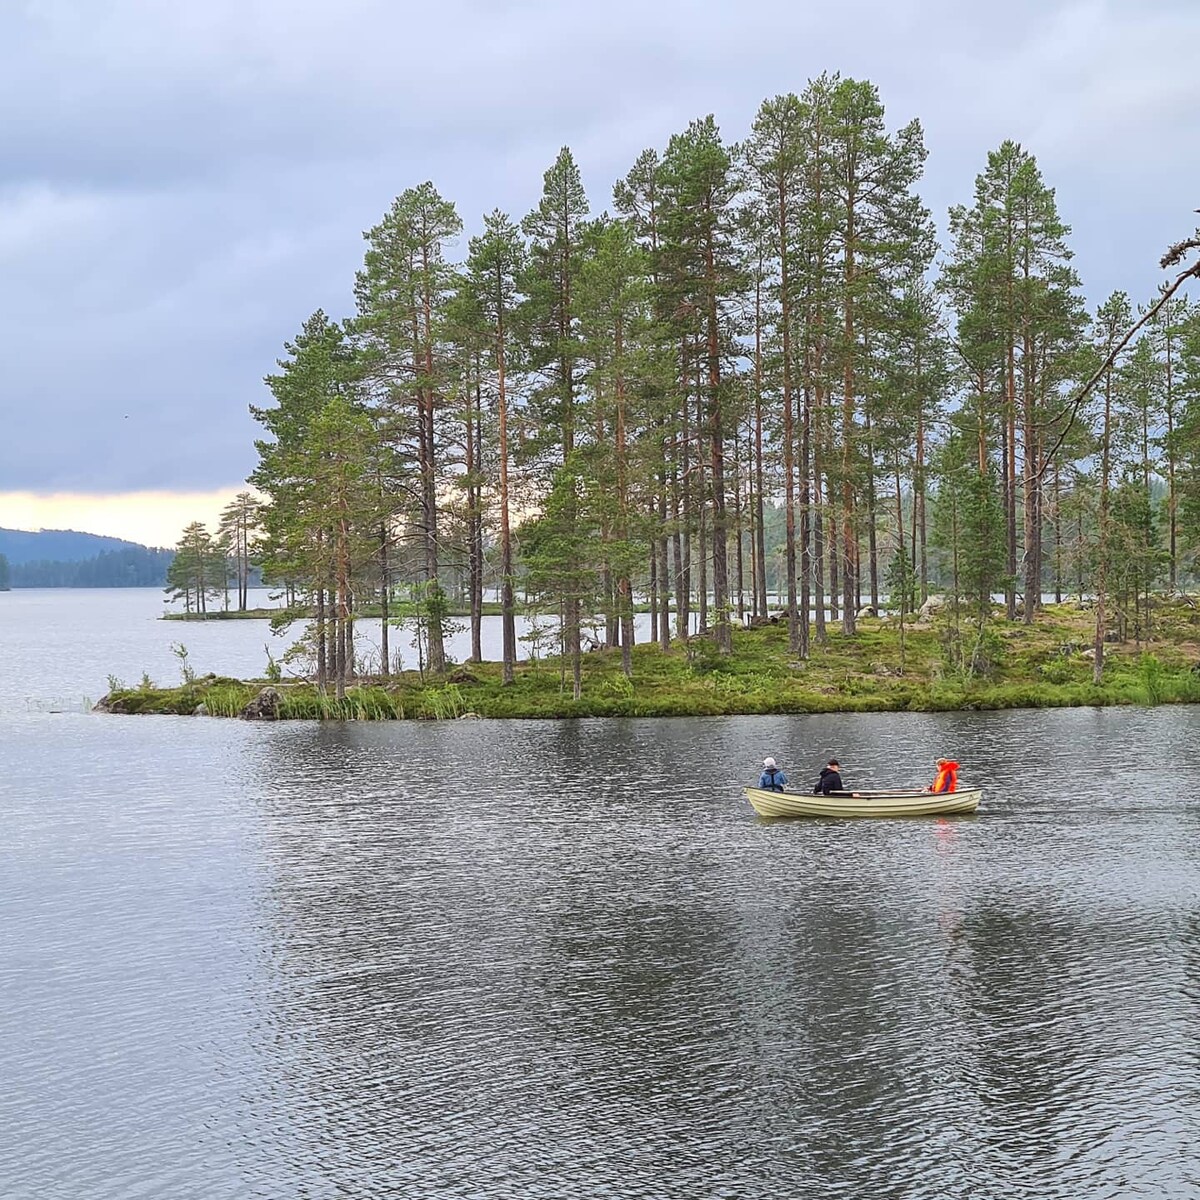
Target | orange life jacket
(947,778)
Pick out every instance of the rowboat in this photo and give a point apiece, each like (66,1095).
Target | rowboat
(863,804)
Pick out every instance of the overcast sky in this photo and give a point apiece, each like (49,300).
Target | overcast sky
(183,181)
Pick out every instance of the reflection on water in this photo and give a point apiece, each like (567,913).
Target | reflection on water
(483,959)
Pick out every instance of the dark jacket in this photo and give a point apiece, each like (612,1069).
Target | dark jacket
(772,779)
(830,781)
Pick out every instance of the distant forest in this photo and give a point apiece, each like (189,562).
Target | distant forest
(67,558)
(137,567)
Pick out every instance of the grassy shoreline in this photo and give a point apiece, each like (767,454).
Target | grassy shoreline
(370,612)
(1044,665)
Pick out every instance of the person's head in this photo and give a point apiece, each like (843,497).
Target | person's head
(941,762)
(834,764)
(769,763)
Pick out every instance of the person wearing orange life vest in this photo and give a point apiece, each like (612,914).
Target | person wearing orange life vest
(947,777)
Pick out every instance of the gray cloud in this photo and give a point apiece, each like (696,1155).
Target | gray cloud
(180,185)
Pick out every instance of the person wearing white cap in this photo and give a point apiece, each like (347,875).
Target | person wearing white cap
(772,779)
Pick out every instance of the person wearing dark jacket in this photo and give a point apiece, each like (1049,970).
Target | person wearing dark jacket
(831,779)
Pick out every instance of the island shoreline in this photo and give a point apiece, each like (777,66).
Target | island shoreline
(1045,664)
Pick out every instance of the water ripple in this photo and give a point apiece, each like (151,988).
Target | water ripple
(495,960)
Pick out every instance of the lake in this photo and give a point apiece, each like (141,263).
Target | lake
(488,959)
(59,646)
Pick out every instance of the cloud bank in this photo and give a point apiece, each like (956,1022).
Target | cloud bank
(181,185)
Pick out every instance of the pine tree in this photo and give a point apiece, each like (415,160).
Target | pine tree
(320,367)
(613,300)
(881,222)
(1111,320)
(494,267)
(699,188)
(551,320)
(774,155)
(403,292)
(197,572)
(238,529)
(1020,322)
(639,198)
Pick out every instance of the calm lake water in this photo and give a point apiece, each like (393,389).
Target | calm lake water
(488,959)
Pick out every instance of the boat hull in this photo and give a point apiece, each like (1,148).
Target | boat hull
(865,804)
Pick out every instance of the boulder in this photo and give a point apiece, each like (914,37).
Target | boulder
(264,706)
(201,710)
(867,610)
(934,605)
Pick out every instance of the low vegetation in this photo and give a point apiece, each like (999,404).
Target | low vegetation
(1011,665)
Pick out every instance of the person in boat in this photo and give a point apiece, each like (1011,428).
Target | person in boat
(772,778)
(831,779)
(946,779)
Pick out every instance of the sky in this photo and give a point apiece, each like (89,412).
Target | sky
(182,182)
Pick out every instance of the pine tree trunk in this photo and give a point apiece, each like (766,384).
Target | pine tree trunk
(1172,523)
(437,651)
(664,617)
(322,659)
(1102,565)
(385,652)
(872,518)
(507,606)
(739,560)
(677,549)
(1029,490)
(920,553)
(760,536)
(805,522)
(849,536)
(819,550)
(474,539)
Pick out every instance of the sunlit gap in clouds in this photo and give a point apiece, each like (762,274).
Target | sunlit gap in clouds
(153,518)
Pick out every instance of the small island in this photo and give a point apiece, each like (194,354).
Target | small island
(934,666)
(761,371)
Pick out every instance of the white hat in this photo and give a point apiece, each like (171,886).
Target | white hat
(768,762)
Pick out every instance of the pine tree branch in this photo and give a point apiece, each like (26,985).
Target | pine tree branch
(1171,258)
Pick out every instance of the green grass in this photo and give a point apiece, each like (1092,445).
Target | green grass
(369,612)
(1030,667)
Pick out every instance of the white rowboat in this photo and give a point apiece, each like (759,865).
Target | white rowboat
(864,804)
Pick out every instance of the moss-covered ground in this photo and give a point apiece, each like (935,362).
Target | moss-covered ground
(1017,666)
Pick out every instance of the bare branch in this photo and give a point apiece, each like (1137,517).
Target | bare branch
(1172,257)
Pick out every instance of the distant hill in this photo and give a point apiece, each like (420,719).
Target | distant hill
(57,545)
(65,558)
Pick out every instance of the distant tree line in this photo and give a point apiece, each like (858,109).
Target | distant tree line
(586,408)
(140,567)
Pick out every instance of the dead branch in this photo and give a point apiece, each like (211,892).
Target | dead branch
(1171,258)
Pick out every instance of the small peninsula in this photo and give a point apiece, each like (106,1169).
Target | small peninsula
(1012,665)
